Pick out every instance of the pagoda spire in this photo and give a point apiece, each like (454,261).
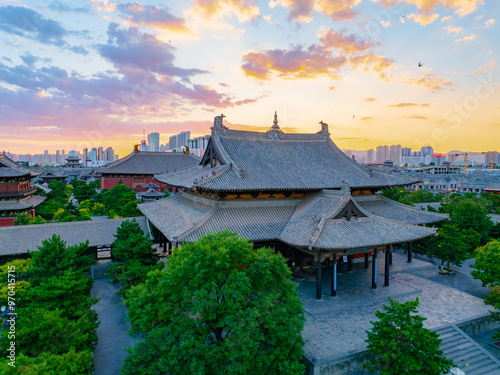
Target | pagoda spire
(275,122)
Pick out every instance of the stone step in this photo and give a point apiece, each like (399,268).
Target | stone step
(466,353)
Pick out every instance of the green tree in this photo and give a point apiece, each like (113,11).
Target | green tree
(72,362)
(453,245)
(83,192)
(96,184)
(134,256)
(471,214)
(38,220)
(63,215)
(98,208)
(219,307)
(399,344)
(487,269)
(86,204)
(54,257)
(22,219)
(121,200)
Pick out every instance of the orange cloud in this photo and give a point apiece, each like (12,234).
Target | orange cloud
(243,9)
(490,22)
(487,66)
(366,118)
(295,63)
(416,117)
(423,19)
(370,61)
(103,6)
(368,99)
(467,38)
(400,105)
(430,81)
(348,44)
(451,29)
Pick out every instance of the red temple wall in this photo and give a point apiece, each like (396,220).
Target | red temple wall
(9,188)
(109,182)
(7,222)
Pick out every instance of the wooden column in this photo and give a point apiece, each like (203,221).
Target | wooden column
(374,269)
(349,262)
(367,256)
(386,271)
(409,251)
(318,279)
(391,250)
(334,276)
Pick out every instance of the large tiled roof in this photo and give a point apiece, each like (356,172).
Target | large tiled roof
(18,239)
(19,205)
(151,163)
(274,160)
(9,168)
(389,209)
(186,217)
(313,222)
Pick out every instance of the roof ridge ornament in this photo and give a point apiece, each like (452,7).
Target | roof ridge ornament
(324,130)
(218,125)
(275,131)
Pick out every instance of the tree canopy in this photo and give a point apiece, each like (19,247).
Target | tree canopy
(399,344)
(219,307)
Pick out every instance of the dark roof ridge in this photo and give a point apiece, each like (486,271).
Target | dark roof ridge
(224,154)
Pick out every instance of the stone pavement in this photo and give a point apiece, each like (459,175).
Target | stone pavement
(336,326)
(112,331)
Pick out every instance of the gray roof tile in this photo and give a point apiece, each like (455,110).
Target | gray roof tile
(151,163)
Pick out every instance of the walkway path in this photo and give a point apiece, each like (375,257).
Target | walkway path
(112,332)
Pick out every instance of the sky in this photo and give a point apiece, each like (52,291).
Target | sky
(76,74)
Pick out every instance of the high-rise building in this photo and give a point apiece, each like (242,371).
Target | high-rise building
(427,150)
(143,146)
(100,153)
(93,155)
(179,140)
(382,154)
(395,153)
(406,151)
(58,156)
(370,156)
(85,154)
(109,154)
(154,142)
(46,157)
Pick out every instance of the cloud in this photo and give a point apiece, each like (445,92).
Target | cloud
(490,22)
(487,66)
(430,81)
(59,6)
(423,19)
(451,29)
(370,61)
(130,48)
(30,24)
(466,38)
(157,18)
(417,117)
(447,18)
(369,99)
(347,44)
(366,118)
(243,9)
(103,6)
(401,105)
(293,63)
(300,10)
(425,15)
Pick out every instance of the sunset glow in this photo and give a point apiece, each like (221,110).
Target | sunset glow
(88,74)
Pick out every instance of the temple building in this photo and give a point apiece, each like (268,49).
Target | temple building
(16,192)
(296,192)
(138,168)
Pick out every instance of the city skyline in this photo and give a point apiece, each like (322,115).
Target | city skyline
(74,75)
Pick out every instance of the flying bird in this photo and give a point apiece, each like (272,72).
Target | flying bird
(420,64)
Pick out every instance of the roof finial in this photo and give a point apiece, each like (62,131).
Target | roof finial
(218,125)
(275,131)
(324,130)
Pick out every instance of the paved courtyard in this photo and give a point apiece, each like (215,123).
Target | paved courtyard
(336,326)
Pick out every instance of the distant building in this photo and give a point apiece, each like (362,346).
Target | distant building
(58,156)
(109,154)
(100,153)
(73,161)
(154,142)
(382,154)
(370,156)
(179,140)
(85,154)
(92,155)
(138,168)
(395,153)
(198,145)
(143,146)
(427,150)
(406,151)
(438,159)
